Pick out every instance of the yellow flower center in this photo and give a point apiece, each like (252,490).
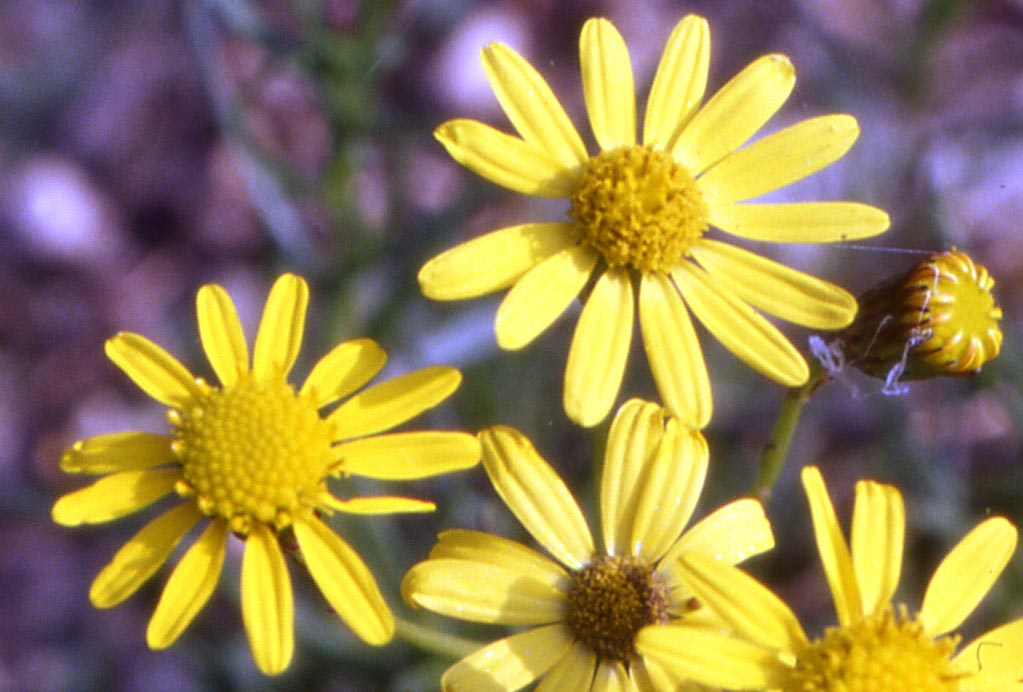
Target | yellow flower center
(253,451)
(639,208)
(611,600)
(884,652)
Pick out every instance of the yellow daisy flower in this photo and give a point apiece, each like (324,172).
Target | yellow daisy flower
(639,217)
(875,646)
(585,607)
(253,456)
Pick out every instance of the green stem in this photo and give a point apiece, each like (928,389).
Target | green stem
(434,641)
(772,458)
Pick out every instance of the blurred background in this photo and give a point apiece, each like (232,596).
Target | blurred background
(149,147)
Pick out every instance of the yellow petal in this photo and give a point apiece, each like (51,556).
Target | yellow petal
(673,351)
(531,105)
(600,349)
(405,456)
(739,327)
(679,84)
(506,160)
(632,442)
(155,371)
(992,660)
(510,663)
(966,575)
(484,592)
(347,367)
(744,603)
(688,654)
(878,532)
(477,546)
(221,333)
(732,533)
(780,158)
(492,261)
(394,401)
(669,491)
(267,608)
(114,496)
(776,289)
(541,295)
(125,451)
(141,556)
(189,588)
(536,495)
(345,581)
(735,113)
(834,551)
(612,676)
(800,222)
(607,84)
(280,329)
(379,505)
(574,671)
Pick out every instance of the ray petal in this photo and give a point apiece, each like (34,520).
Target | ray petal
(673,351)
(834,551)
(679,84)
(190,586)
(687,654)
(751,609)
(531,106)
(878,533)
(485,592)
(632,442)
(732,533)
(506,160)
(280,330)
(536,495)
(221,333)
(800,222)
(345,581)
(142,555)
(347,367)
(669,492)
(485,548)
(510,663)
(155,371)
(780,158)
(267,607)
(394,401)
(114,496)
(124,451)
(607,84)
(735,113)
(573,672)
(600,349)
(493,261)
(542,295)
(739,327)
(407,456)
(992,661)
(966,575)
(776,289)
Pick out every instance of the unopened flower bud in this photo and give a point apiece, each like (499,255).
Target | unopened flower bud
(939,318)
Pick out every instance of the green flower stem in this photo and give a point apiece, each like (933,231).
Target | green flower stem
(772,458)
(434,641)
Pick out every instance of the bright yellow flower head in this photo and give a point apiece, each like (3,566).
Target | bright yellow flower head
(876,645)
(253,457)
(586,607)
(640,216)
